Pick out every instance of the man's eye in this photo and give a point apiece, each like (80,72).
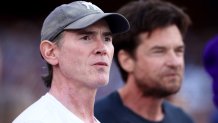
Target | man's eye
(86,38)
(108,38)
(180,51)
(159,51)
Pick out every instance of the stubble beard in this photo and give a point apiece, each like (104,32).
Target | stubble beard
(159,91)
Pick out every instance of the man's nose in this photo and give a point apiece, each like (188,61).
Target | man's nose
(174,60)
(100,47)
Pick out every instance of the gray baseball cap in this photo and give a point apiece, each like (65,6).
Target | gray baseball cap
(79,15)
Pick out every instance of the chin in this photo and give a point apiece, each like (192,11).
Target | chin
(102,82)
(163,92)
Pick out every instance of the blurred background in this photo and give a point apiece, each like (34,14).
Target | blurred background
(21,64)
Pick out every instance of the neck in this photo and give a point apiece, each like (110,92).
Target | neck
(147,107)
(78,99)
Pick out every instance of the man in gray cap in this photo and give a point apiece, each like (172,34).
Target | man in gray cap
(76,43)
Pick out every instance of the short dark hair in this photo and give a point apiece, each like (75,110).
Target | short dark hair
(146,16)
(47,78)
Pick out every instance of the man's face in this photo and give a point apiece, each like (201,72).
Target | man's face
(85,56)
(159,62)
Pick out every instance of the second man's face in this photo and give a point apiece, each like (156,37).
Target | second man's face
(159,63)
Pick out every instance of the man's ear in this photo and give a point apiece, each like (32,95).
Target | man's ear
(126,61)
(47,49)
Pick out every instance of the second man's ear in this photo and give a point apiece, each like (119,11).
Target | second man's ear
(47,50)
(126,61)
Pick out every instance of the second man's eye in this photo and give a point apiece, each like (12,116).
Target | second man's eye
(158,51)
(180,51)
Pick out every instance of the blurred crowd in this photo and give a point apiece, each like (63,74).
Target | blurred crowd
(20,68)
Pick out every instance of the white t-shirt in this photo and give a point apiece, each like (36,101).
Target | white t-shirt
(47,110)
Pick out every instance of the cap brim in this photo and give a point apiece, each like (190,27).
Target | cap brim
(116,22)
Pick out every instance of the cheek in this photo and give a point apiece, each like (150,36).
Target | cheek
(150,67)
(183,64)
(142,67)
(70,55)
(72,63)
(181,67)
(110,51)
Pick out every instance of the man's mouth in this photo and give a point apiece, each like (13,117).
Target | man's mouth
(101,63)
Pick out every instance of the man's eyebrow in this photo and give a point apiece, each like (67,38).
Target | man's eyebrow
(89,32)
(158,47)
(107,33)
(82,31)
